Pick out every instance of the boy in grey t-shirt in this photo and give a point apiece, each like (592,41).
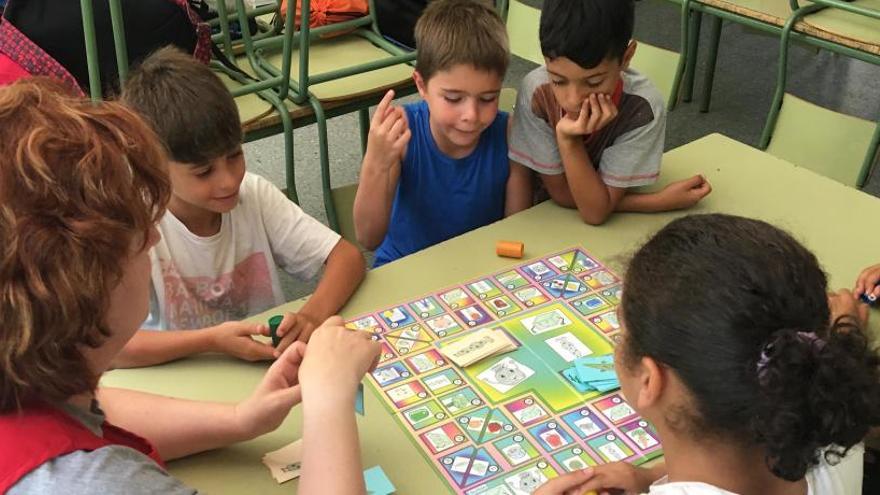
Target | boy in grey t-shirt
(589,126)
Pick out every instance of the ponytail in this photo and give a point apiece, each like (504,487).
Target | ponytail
(815,393)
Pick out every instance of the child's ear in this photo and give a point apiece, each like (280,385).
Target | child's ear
(628,54)
(652,382)
(420,84)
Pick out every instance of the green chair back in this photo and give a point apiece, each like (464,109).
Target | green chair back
(523,23)
(343,200)
(826,142)
(342,47)
(658,65)
(507,100)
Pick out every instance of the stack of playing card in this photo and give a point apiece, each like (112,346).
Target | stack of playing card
(284,463)
(593,374)
(478,346)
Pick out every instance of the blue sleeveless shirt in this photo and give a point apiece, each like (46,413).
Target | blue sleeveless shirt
(439,197)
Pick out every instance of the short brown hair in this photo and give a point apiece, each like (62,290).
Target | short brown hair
(188,105)
(79,183)
(454,32)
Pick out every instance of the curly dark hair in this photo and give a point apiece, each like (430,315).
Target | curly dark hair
(707,296)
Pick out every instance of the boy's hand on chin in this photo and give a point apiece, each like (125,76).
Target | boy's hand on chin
(597,111)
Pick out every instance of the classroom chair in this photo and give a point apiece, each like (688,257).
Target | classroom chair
(766,16)
(835,30)
(333,69)
(263,16)
(658,65)
(343,201)
(261,111)
(523,23)
(836,145)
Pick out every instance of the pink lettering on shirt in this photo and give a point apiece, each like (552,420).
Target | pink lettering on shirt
(198,302)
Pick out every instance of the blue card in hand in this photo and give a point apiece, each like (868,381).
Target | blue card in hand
(359,400)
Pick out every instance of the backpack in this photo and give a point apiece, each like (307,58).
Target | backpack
(324,12)
(397,19)
(45,37)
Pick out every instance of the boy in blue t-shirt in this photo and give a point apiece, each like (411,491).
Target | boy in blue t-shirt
(439,168)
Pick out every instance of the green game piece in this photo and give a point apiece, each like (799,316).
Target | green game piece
(273,327)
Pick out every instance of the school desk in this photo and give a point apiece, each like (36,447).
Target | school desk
(838,223)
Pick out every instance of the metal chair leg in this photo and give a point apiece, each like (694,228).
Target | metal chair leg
(709,75)
(696,20)
(324,155)
(364,126)
(870,157)
(88,20)
(682,57)
(781,74)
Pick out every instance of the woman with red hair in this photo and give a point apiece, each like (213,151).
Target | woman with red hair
(81,189)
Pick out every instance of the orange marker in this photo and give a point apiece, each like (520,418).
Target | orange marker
(510,249)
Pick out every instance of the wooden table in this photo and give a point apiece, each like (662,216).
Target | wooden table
(838,223)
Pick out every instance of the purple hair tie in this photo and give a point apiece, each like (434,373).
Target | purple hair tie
(811,338)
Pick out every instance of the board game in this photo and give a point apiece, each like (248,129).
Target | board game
(506,424)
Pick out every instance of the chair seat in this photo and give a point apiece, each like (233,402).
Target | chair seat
(773,12)
(846,28)
(835,25)
(822,140)
(327,55)
(258,114)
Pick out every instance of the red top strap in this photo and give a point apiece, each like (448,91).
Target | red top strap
(202,52)
(40,433)
(20,57)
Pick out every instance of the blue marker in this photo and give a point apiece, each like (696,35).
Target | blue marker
(869,298)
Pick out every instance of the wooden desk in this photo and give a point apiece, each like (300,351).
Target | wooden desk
(838,223)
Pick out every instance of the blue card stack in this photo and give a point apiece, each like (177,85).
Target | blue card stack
(593,374)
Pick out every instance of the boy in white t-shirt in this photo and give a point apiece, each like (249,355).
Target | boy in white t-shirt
(226,231)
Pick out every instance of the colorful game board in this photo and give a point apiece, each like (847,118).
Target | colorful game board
(508,423)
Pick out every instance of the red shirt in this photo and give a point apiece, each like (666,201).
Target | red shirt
(40,433)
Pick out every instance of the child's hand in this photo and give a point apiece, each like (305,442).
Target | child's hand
(566,484)
(867,282)
(605,478)
(686,193)
(336,360)
(271,401)
(596,112)
(234,338)
(294,327)
(389,133)
(845,303)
